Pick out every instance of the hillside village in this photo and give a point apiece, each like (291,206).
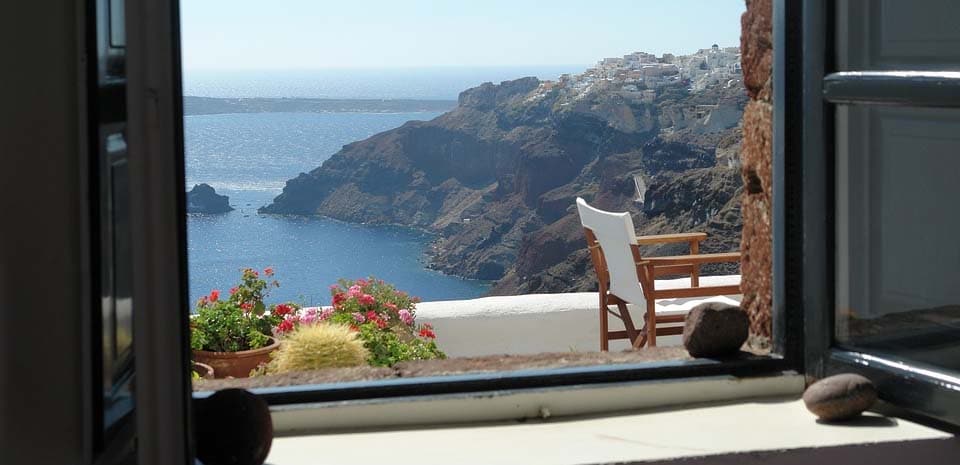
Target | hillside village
(640,75)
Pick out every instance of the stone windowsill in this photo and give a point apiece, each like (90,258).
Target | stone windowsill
(754,431)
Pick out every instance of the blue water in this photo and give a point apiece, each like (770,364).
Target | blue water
(249,157)
(440,83)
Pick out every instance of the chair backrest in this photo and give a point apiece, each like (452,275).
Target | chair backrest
(618,255)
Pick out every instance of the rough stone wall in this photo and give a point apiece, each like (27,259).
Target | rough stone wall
(756,45)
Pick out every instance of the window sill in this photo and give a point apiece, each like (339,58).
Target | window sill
(764,428)
(523,404)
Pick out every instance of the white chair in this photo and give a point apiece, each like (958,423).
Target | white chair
(624,277)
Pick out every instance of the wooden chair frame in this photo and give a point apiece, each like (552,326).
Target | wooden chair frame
(648,269)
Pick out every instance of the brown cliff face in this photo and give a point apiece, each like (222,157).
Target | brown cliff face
(496,178)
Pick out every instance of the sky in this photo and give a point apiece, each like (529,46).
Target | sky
(317,34)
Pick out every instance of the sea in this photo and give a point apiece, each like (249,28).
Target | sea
(249,157)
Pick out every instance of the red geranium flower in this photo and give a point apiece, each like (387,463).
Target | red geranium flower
(338,299)
(246,306)
(268,271)
(282,309)
(233,290)
(285,326)
(427,332)
(214,295)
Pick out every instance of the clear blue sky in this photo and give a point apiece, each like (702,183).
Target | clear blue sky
(311,34)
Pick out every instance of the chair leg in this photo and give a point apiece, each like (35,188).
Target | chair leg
(695,272)
(628,323)
(641,340)
(604,325)
(651,323)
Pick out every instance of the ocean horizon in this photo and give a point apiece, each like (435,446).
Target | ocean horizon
(431,83)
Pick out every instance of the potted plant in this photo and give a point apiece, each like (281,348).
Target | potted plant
(235,335)
(202,371)
(383,317)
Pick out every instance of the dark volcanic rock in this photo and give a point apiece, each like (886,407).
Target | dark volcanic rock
(840,397)
(496,178)
(715,329)
(203,199)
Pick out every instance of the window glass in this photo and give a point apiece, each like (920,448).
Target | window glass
(898,258)
(445,158)
(897,35)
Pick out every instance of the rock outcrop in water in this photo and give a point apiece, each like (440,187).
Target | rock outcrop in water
(204,199)
(496,177)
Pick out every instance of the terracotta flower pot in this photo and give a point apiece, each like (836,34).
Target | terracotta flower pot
(236,364)
(205,371)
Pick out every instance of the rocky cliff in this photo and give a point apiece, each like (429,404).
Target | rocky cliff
(204,199)
(497,176)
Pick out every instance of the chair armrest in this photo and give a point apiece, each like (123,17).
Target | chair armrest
(692,259)
(670,238)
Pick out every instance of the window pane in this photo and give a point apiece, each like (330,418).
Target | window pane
(118,33)
(891,34)
(898,258)
(453,176)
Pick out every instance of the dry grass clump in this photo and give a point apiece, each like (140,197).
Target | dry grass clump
(314,347)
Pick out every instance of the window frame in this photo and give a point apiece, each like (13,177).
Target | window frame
(787,351)
(915,390)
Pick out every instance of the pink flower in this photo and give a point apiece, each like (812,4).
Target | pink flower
(359,318)
(362,282)
(309,316)
(268,271)
(334,287)
(338,299)
(325,314)
(233,290)
(366,299)
(355,291)
(391,306)
(406,317)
